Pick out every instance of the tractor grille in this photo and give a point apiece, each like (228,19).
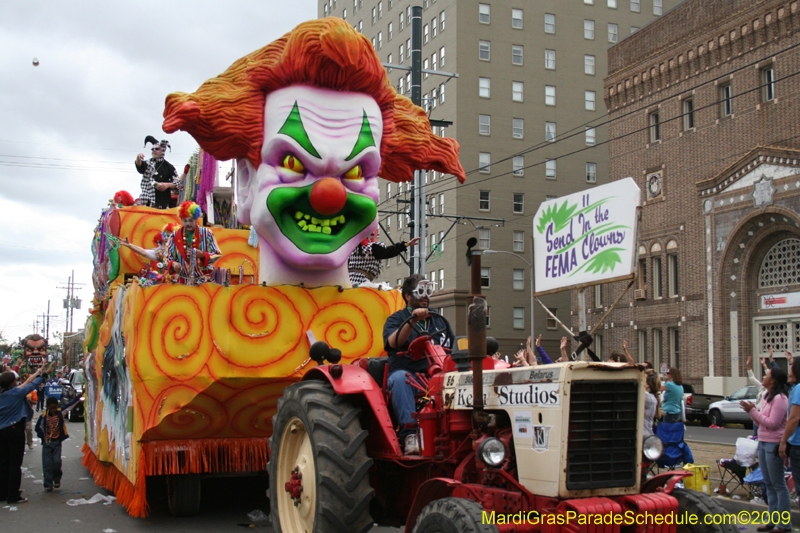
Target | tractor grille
(601,447)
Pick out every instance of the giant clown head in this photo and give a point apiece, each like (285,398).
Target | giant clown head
(312,121)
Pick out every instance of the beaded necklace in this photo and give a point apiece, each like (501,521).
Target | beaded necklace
(423,324)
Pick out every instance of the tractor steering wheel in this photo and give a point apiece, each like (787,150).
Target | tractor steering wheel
(422,335)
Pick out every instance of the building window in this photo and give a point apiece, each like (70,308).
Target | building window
(441,233)
(516,19)
(598,346)
(374,18)
(641,274)
(634,29)
(441,101)
(519,279)
(781,266)
(484,162)
(591,137)
(516,54)
(401,54)
(672,275)
(425,34)
(434,58)
(598,296)
(588,65)
(550,59)
(373,43)
(655,126)
(484,201)
(484,13)
(658,7)
(591,172)
(657,293)
(588,29)
(484,124)
(488,315)
(432,277)
(519,202)
(486,277)
(642,348)
(517,128)
(441,22)
(380,40)
(768,84)
(589,98)
(360,26)
(726,100)
(408,49)
(549,23)
(688,113)
(380,10)
(484,239)
(441,57)
(389,59)
(657,348)
(588,2)
(425,66)
(402,21)
(636,6)
(390,31)
(674,346)
(550,131)
(551,322)
(612,4)
(516,91)
(434,98)
(401,86)
(344,14)
(518,164)
(549,95)
(484,87)
(434,28)
(441,210)
(519,318)
(519,241)
(441,280)
(550,169)
(484,50)
(613,32)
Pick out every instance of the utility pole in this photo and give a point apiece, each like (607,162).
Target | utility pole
(70,304)
(418,212)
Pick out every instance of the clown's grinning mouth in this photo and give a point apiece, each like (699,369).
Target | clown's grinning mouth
(311,224)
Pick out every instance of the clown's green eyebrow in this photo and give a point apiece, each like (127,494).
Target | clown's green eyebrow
(293,127)
(365,139)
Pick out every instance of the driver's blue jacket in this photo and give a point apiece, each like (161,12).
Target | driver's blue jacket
(432,324)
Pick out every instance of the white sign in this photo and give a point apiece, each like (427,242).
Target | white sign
(541,438)
(522,424)
(779,301)
(515,395)
(586,238)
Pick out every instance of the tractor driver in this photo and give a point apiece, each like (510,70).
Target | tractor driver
(416,292)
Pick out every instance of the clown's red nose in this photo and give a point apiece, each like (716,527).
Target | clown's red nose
(328,196)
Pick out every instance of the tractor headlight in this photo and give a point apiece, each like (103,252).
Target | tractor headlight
(492,452)
(653,447)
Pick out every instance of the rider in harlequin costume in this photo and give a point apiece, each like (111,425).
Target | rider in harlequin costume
(365,263)
(192,250)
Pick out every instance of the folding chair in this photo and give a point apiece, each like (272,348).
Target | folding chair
(733,475)
(676,451)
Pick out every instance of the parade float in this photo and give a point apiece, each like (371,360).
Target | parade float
(183,381)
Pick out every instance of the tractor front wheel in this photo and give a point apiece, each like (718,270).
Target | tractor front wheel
(183,494)
(453,515)
(693,503)
(318,468)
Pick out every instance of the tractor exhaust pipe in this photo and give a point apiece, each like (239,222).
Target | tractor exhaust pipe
(476,330)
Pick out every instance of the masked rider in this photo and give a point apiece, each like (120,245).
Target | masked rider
(416,292)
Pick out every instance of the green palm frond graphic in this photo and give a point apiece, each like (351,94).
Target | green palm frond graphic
(605,260)
(559,216)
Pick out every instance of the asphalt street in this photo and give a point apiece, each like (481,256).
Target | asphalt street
(726,435)
(225,507)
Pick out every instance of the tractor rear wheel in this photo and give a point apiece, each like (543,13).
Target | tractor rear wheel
(318,467)
(695,503)
(453,515)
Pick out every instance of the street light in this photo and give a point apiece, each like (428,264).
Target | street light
(531,267)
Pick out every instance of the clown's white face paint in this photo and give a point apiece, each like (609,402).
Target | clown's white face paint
(313,197)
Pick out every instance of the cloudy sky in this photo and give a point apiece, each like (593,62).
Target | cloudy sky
(71,127)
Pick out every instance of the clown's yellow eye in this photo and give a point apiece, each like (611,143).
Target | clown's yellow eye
(292,163)
(354,173)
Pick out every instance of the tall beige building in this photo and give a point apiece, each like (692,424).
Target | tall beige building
(528,93)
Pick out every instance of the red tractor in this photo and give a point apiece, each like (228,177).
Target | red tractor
(549,448)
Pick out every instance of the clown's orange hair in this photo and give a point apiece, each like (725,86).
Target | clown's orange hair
(226,114)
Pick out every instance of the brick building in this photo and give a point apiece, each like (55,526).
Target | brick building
(704,114)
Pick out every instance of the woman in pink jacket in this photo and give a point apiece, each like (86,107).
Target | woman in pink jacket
(771,422)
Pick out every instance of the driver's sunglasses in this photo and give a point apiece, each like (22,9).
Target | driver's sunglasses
(423,289)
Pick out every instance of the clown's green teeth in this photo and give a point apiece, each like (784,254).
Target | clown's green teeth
(302,224)
(298,215)
(315,221)
(326,223)
(307,217)
(326,230)
(341,219)
(312,227)
(333,222)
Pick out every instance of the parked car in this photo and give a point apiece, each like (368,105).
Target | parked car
(73,388)
(697,404)
(729,411)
